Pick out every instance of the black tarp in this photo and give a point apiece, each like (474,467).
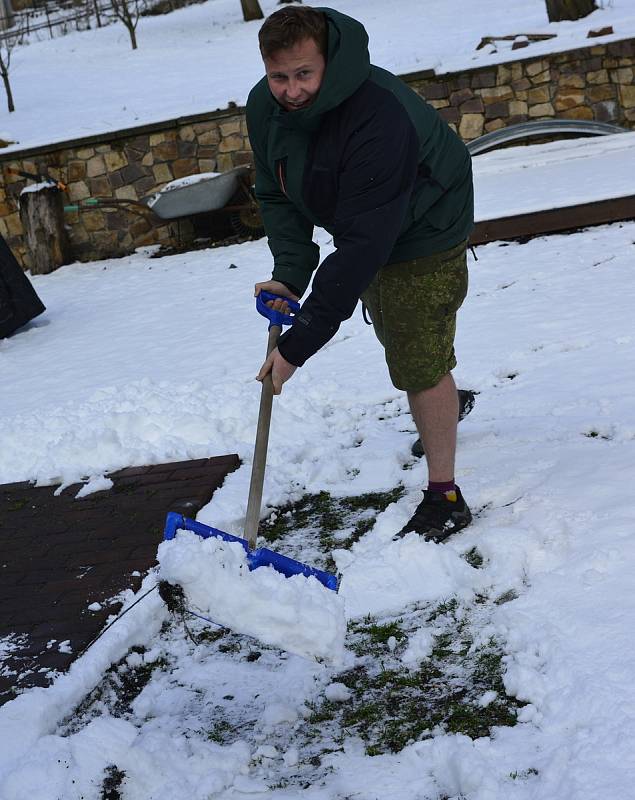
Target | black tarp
(18,301)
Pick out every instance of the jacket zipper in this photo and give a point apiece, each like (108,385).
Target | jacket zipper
(281,175)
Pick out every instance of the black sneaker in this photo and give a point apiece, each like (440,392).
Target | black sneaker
(467,398)
(438,516)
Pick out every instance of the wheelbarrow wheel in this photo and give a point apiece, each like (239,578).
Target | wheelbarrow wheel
(248,222)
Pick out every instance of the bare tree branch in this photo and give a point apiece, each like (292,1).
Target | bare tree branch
(129,12)
(8,40)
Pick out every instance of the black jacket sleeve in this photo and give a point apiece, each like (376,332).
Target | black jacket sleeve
(376,178)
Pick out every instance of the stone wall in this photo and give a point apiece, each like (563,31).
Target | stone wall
(126,166)
(596,82)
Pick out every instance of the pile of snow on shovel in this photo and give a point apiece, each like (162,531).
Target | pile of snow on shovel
(296,614)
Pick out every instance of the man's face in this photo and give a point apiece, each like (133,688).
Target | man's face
(295,74)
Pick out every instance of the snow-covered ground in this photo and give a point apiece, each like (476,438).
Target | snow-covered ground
(200,58)
(144,360)
(554,175)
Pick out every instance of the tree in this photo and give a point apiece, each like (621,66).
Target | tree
(558,10)
(97,17)
(128,11)
(6,14)
(5,63)
(8,41)
(251,10)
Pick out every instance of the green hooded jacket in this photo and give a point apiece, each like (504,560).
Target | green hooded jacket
(369,161)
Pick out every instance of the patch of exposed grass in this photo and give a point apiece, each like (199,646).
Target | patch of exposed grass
(449,607)
(593,434)
(253,655)
(524,774)
(233,646)
(210,635)
(119,687)
(17,505)
(325,517)
(113,778)
(474,558)
(322,712)
(506,597)
(392,705)
(222,731)
(125,487)
(393,701)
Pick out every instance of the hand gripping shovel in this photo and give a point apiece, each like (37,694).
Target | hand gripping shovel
(260,557)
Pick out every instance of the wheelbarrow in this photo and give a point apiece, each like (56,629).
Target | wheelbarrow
(204,193)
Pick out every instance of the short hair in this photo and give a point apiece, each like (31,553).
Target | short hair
(289,26)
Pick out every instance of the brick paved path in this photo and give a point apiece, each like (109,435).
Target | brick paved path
(58,555)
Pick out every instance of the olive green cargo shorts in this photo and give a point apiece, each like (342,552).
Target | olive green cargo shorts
(413,307)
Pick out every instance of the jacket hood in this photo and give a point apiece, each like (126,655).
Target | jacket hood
(347,67)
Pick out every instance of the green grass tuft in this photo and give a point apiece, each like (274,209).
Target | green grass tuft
(391,705)
(474,558)
(113,778)
(322,518)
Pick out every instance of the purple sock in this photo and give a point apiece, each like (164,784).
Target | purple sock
(442,488)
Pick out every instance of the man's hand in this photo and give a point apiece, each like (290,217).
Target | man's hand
(279,368)
(276,287)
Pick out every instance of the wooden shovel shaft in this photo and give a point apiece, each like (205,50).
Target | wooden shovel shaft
(260,450)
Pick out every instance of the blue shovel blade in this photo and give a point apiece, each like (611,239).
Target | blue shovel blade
(262,557)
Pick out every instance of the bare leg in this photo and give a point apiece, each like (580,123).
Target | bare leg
(436,412)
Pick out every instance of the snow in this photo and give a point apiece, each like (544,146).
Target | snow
(200,58)
(488,698)
(98,483)
(337,692)
(142,360)
(189,180)
(297,614)
(578,170)
(37,187)
(416,571)
(29,721)
(419,646)
(544,337)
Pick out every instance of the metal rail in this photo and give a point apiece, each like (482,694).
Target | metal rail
(554,220)
(56,18)
(541,127)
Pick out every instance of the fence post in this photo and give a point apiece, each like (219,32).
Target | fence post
(42,216)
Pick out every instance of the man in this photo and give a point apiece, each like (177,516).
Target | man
(347,146)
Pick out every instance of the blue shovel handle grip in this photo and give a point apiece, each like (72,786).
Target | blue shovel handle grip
(276,317)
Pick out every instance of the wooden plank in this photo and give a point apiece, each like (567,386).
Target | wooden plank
(539,223)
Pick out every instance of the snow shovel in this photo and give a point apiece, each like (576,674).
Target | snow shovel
(260,557)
